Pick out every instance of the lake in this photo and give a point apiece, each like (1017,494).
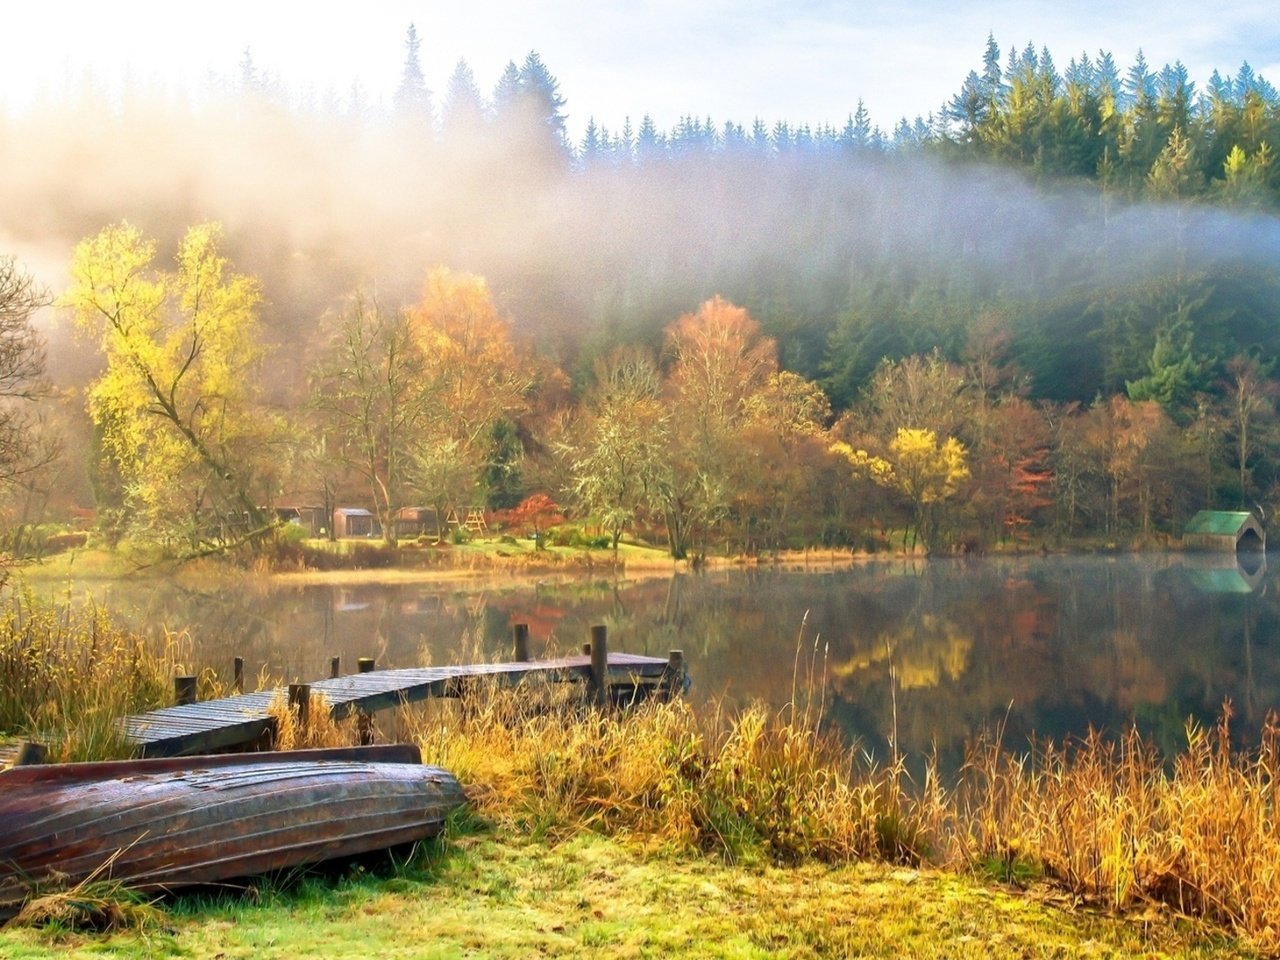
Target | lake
(935,650)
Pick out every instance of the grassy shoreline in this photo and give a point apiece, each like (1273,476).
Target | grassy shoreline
(488,894)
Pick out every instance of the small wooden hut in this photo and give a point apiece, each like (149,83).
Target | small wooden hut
(1225,531)
(351,522)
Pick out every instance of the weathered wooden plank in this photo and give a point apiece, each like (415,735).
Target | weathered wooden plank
(206,819)
(243,718)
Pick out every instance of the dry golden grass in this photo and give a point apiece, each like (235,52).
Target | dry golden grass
(319,730)
(67,674)
(1107,822)
(1110,823)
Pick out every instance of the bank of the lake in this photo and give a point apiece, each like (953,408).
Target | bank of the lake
(485,895)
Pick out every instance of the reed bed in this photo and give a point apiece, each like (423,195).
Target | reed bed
(1110,822)
(68,673)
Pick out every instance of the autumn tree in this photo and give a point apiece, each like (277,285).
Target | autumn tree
(367,390)
(1250,401)
(918,392)
(535,513)
(1132,442)
(618,460)
(177,405)
(719,358)
(927,472)
(470,375)
(780,456)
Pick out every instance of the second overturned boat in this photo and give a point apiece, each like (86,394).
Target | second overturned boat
(159,824)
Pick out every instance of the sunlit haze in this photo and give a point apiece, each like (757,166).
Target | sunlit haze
(805,62)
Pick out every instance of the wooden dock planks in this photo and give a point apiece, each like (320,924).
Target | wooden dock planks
(235,721)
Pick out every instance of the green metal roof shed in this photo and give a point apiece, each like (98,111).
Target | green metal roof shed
(1228,531)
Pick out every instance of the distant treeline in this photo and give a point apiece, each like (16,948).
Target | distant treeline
(1089,243)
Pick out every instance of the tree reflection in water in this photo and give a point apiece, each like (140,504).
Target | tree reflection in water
(1045,645)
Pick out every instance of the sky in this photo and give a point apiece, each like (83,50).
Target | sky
(803,61)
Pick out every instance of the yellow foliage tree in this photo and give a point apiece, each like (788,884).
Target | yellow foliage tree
(175,405)
(927,472)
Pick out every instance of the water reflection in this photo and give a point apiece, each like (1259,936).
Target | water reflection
(937,650)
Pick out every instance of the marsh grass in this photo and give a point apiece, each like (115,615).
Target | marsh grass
(1110,823)
(319,730)
(68,673)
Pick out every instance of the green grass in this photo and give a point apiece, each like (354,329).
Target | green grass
(485,896)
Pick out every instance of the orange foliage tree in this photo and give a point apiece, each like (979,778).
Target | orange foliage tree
(719,359)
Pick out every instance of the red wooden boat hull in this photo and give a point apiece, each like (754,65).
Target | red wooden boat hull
(159,824)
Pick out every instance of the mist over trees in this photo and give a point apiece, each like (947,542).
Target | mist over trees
(1056,294)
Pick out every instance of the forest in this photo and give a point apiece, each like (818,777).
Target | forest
(1044,313)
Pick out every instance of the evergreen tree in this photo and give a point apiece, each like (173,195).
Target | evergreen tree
(650,144)
(590,149)
(412,98)
(626,141)
(539,92)
(463,112)
(1139,89)
(506,93)
(992,84)
(1107,81)
(970,108)
(760,137)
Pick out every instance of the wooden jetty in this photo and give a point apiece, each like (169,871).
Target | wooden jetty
(244,720)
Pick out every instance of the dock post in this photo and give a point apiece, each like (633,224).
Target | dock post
(184,690)
(520,634)
(673,674)
(300,701)
(30,753)
(600,663)
(335,668)
(237,684)
(364,722)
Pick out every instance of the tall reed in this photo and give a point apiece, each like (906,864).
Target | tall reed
(68,673)
(1109,821)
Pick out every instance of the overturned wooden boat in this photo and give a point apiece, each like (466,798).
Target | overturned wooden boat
(160,824)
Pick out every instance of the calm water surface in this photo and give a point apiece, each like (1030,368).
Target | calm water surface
(1046,645)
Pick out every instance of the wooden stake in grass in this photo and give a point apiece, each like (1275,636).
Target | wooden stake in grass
(364,722)
(184,690)
(600,663)
(520,636)
(300,703)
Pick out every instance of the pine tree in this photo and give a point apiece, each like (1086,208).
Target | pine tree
(992,85)
(463,110)
(506,93)
(1107,81)
(1139,91)
(626,141)
(650,144)
(969,108)
(590,148)
(412,98)
(540,92)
